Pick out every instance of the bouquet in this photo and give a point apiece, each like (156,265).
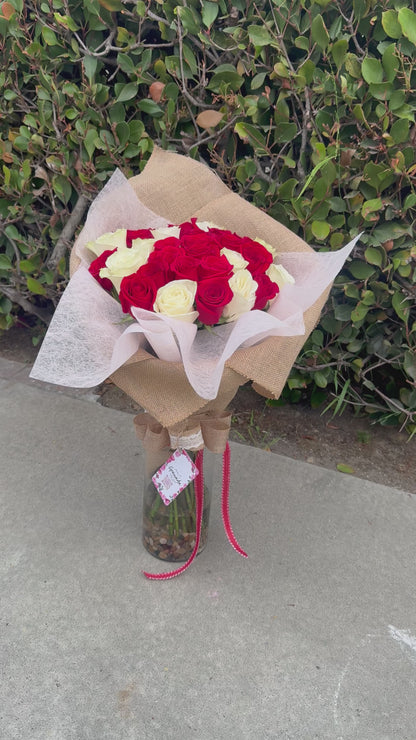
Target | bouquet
(179,316)
(194,272)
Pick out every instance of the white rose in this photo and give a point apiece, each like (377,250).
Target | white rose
(125,261)
(244,290)
(176,299)
(278,274)
(234,258)
(206,225)
(267,246)
(108,241)
(164,233)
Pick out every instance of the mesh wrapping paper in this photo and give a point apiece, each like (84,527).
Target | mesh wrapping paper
(194,371)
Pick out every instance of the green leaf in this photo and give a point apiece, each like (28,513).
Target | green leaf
(409,201)
(189,59)
(66,21)
(12,232)
(150,107)
(407,20)
(301,42)
(227,77)
(391,231)
(209,13)
(35,286)
(62,187)
(337,204)
(258,80)
(5,263)
(368,298)
(342,468)
(320,379)
(401,306)
(320,229)
(360,270)
(319,32)
(399,131)
(338,51)
(352,65)
(359,313)
(136,130)
(113,6)
(314,171)
(372,70)
(317,338)
(351,291)
(286,190)
(320,189)
(281,70)
(390,62)
(123,132)
(409,364)
(126,63)
(307,70)
(259,35)
(397,99)
(89,141)
(359,7)
(336,240)
(90,67)
(127,92)
(28,265)
(250,133)
(390,23)
(49,36)
(373,256)
(190,19)
(285,131)
(371,206)
(342,312)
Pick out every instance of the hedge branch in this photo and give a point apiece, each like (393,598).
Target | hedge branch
(68,231)
(16,297)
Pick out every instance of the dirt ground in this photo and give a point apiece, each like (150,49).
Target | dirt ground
(372,452)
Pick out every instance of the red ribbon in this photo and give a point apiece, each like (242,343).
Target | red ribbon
(224,502)
(199,505)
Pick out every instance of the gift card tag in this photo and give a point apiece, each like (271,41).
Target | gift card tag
(176,473)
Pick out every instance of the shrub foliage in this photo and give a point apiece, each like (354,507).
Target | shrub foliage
(304,107)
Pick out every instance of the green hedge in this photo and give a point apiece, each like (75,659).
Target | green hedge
(305,108)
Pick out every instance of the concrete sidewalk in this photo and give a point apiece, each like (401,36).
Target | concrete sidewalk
(314,636)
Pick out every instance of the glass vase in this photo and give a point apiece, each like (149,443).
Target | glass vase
(169,532)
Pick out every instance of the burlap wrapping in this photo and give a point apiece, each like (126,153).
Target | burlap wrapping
(213,430)
(179,188)
(209,430)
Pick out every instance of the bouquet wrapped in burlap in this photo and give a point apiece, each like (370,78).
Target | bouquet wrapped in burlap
(187,394)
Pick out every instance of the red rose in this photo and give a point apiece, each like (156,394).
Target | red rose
(188,227)
(170,241)
(228,240)
(211,297)
(162,259)
(266,291)
(139,291)
(197,242)
(184,267)
(96,266)
(137,234)
(258,257)
(153,270)
(214,266)
(199,245)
